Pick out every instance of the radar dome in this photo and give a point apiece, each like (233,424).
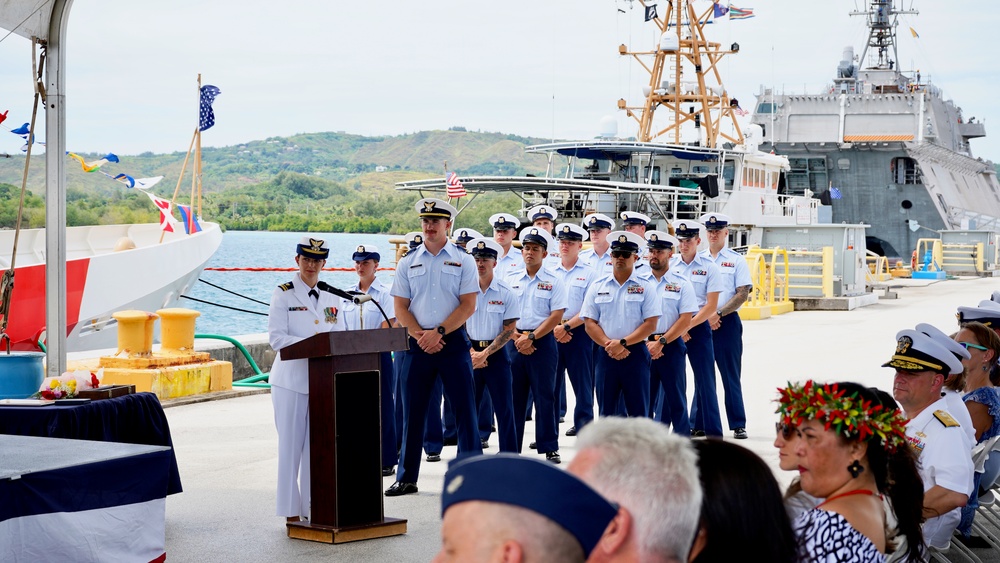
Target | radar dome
(609,127)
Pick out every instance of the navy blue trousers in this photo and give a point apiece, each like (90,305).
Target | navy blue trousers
(701,356)
(628,379)
(496,378)
(576,358)
(668,388)
(388,409)
(728,343)
(596,352)
(536,373)
(453,366)
(485,418)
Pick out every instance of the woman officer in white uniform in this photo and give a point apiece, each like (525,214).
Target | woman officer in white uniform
(299,309)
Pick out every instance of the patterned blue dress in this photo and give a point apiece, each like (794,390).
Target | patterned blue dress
(987,396)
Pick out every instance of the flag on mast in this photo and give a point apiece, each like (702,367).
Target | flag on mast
(206,116)
(740,13)
(455,187)
(166,219)
(651,12)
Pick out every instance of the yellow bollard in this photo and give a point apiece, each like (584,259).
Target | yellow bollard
(135,332)
(177,328)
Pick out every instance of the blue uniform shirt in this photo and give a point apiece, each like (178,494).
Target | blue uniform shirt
(601,265)
(676,298)
(509,264)
(620,309)
(703,274)
(497,304)
(373,318)
(576,280)
(433,284)
(539,296)
(735,272)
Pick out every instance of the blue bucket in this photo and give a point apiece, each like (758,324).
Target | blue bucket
(21,374)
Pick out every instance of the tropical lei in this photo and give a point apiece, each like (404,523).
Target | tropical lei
(848,415)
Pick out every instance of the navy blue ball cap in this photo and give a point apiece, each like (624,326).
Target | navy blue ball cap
(534,485)
(366,252)
(312,248)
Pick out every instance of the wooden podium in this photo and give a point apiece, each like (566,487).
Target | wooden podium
(345,435)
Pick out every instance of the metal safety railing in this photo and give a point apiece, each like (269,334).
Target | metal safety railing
(929,255)
(878,269)
(963,257)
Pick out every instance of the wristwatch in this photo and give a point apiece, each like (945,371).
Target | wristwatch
(441,330)
(718,312)
(566,327)
(663,340)
(623,342)
(531,336)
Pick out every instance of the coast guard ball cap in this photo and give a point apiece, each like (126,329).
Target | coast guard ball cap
(660,239)
(598,221)
(988,313)
(465,235)
(715,221)
(312,248)
(484,247)
(537,236)
(948,342)
(915,351)
(366,252)
(504,221)
(686,228)
(633,218)
(414,238)
(534,485)
(542,212)
(624,240)
(433,207)
(571,231)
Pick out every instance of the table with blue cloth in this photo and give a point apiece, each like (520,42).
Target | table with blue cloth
(130,419)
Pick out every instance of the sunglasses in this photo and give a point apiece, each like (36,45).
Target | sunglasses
(620,254)
(968,345)
(787,431)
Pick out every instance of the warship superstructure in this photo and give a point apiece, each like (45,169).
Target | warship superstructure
(886,142)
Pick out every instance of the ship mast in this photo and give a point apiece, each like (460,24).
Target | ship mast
(684,53)
(882,22)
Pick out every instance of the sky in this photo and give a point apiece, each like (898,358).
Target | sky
(541,68)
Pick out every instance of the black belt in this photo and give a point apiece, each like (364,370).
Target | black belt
(480,345)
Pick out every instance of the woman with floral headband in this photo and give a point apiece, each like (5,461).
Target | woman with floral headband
(852,450)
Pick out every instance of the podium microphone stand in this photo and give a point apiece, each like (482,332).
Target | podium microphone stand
(345,435)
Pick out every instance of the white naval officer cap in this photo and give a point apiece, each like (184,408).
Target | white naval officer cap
(988,313)
(365,252)
(598,221)
(535,235)
(686,228)
(542,212)
(312,248)
(715,221)
(634,218)
(661,239)
(414,238)
(571,231)
(948,342)
(915,351)
(504,221)
(433,207)
(624,240)
(463,235)
(484,247)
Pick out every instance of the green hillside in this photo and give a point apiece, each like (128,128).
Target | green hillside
(322,182)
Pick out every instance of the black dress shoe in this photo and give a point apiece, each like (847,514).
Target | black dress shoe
(740,434)
(561,420)
(434,457)
(388,470)
(485,444)
(553,457)
(533,446)
(450,441)
(697,433)
(400,488)
(571,431)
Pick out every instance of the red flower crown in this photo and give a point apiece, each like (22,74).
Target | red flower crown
(851,416)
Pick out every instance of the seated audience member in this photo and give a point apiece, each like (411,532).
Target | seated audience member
(797,501)
(954,383)
(852,449)
(983,403)
(922,362)
(652,475)
(742,514)
(511,508)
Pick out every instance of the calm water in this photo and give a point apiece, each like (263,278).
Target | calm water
(263,250)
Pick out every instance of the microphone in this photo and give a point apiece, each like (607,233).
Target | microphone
(353,296)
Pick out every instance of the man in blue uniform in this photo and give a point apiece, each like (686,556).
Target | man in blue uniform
(435,294)
(299,309)
(534,354)
(727,328)
(575,346)
(666,347)
(504,230)
(620,312)
(707,282)
(464,235)
(490,328)
(544,217)
(598,225)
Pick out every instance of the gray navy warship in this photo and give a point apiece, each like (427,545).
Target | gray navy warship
(888,143)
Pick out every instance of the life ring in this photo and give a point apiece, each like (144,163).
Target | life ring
(913,261)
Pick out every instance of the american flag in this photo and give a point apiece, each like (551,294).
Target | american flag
(740,111)
(206,117)
(455,187)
